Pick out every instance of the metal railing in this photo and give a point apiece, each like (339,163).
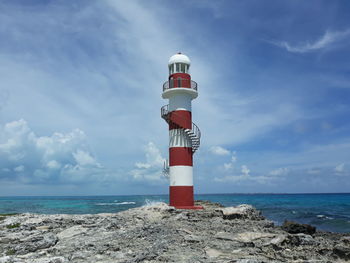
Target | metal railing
(195,131)
(164,111)
(180,83)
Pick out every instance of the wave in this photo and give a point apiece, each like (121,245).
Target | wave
(126,203)
(121,203)
(152,202)
(324,217)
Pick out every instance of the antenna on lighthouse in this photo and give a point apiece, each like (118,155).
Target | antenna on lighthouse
(184,135)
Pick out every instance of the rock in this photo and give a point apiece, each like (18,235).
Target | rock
(213,253)
(346,240)
(36,242)
(42,228)
(241,212)
(193,238)
(305,239)
(6,259)
(251,236)
(342,252)
(224,236)
(277,241)
(295,228)
(70,232)
(160,233)
(250,260)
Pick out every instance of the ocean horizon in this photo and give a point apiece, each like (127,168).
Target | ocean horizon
(326,211)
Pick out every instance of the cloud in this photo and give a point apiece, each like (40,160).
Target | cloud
(29,158)
(19,169)
(327,40)
(245,171)
(230,165)
(340,168)
(314,171)
(279,171)
(218,150)
(151,170)
(235,178)
(246,177)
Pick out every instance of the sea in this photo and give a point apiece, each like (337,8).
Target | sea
(328,212)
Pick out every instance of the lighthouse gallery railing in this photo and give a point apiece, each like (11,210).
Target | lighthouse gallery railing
(180,83)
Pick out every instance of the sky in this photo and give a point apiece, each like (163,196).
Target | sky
(81,84)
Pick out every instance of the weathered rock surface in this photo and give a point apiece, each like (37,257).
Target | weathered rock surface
(160,233)
(295,228)
(242,212)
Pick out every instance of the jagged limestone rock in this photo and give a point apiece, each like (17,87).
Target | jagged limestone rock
(160,233)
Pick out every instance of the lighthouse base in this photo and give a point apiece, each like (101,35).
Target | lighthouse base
(181,197)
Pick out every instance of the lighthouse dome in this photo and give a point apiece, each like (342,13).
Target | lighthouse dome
(179,58)
(179,63)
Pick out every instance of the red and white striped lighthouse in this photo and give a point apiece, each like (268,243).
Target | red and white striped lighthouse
(184,135)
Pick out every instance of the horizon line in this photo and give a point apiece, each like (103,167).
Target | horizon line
(257,193)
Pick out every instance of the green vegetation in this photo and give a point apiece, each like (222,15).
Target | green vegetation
(9,214)
(3,216)
(13,226)
(10,252)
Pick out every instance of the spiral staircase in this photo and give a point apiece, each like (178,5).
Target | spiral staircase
(193,134)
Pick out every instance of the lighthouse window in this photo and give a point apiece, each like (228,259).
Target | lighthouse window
(182,68)
(171,69)
(177,67)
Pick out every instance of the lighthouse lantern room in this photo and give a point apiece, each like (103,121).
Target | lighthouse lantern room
(184,135)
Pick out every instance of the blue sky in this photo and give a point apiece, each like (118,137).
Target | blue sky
(81,83)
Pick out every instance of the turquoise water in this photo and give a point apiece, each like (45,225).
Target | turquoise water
(330,212)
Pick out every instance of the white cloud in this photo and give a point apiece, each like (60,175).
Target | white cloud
(151,170)
(245,171)
(60,157)
(279,171)
(153,157)
(325,41)
(340,168)
(230,178)
(230,165)
(235,178)
(218,150)
(84,158)
(313,171)
(19,169)
(53,164)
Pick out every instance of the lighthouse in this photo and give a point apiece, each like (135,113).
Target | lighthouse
(184,135)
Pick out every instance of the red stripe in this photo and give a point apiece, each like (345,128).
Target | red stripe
(180,75)
(180,119)
(180,80)
(181,196)
(180,156)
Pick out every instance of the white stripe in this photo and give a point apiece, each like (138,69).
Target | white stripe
(181,101)
(178,138)
(169,93)
(181,175)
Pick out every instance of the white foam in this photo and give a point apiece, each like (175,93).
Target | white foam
(121,203)
(152,203)
(325,217)
(126,203)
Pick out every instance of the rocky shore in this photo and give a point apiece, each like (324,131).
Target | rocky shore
(159,233)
